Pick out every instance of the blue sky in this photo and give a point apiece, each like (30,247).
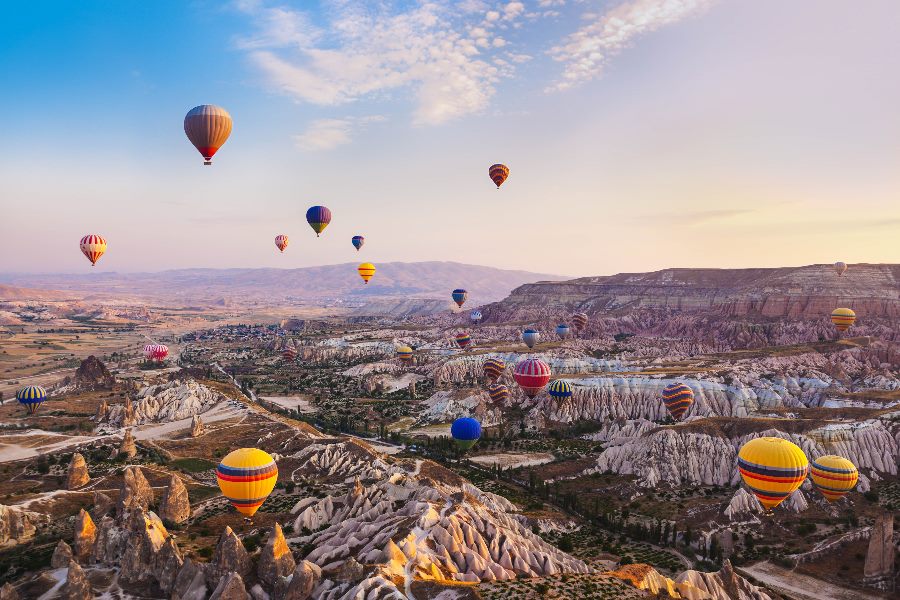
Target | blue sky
(641,134)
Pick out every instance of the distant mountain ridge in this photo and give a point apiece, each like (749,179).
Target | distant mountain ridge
(423,280)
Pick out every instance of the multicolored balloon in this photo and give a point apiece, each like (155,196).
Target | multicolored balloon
(475,316)
(156,352)
(498,393)
(493,368)
(562,330)
(31,397)
(840,268)
(465,432)
(405,355)
(281,242)
(459,296)
(93,246)
(318,218)
(498,174)
(531,337)
(358,241)
(532,375)
(678,399)
(463,340)
(773,468)
(366,271)
(207,127)
(289,354)
(246,477)
(843,318)
(833,476)
(579,320)
(560,389)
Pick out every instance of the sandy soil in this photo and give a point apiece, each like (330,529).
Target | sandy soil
(801,586)
(513,459)
(300,403)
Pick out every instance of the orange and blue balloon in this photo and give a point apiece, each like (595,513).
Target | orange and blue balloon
(459,296)
(246,477)
(678,399)
(498,174)
(498,393)
(833,476)
(773,468)
(493,368)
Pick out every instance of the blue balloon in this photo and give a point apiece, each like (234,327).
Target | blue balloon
(466,431)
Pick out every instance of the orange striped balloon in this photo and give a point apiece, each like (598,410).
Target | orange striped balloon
(833,476)
(281,241)
(498,174)
(93,246)
(843,318)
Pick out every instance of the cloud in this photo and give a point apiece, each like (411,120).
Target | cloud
(586,51)
(439,52)
(696,217)
(326,134)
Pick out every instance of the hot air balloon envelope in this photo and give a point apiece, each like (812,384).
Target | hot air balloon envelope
(560,389)
(207,127)
(31,397)
(840,268)
(562,330)
(773,468)
(498,174)
(463,340)
(246,478)
(833,476)
(281,242)
(93,246)
(579,320)
(498,393)
(405,354)
(465,432)
(366,271)
(843,318)
(493,368)
(459,296)
(475,316)
(358,241)
(532,374)
(530,337)
(678,399)
(318,218)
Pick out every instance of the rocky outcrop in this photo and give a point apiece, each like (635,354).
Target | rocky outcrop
(18,525)
(85,536)
(77,586)
(102,409)
(190,584)
(128,448)
(62,554)
(135,492)
(8,592)
(93,375)
(275,560)
(723,585)
(231,587)
(172,401)
(230,556)
(197,428)
(77,475)
(879,567)
(304,580)
(175,505)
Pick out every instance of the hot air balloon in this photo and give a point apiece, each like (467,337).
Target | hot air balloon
(463,340)
(498,174)
(678,399)
(475,316)
(498,393)
(93,246)
(281,241)
(465,432)
(208,127)
(843,318)
(560,389)
(358,241)
(833,476)
(289,354)
(405,354)
(366,270)
(459,296)
(159,352)
(148,351)
(31,397)
(532,374)
(530,337)
(493,368)
(562,330)
(579,320)
(318,218)
(772,468)
(246,477)
(840,268)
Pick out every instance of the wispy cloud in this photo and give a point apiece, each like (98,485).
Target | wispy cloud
(695,217)
(586,51)
(326,134)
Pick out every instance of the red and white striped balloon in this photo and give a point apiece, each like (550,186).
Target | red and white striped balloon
(281,241)
(156,352)
(532,375)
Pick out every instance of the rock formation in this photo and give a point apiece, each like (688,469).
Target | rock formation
(190,584)
(229,556)
(17,524)
(724,585)
(175,506)
(275,560)
(8,592)
(85,536)
(879,567)
(93,375)
(231,587)
(103,504)
(197,428)
(128,447)
(172,401)
(135,491)
(305,578)
(77,475)
(77,586)
(102,409)
(62,554)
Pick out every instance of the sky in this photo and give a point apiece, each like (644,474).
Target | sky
(640,134)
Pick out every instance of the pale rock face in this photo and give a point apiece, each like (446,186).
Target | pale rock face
(128,447)
(879,567)
(230,556)
(190,584)
(304,580)
(62,554)
(148,551)
(743,507)
(171,401)
(77,586)
(175,505)
(77,475)
(447,405)
(197,428)
(135,492)
(18,525)
(231,587)
(102,409)
(275,560)
(724,585)
(85,536)
(8,592)
(103,504)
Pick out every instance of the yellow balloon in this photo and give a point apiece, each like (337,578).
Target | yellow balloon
(246,477)
(833,476)
(843,318)
(366,270)
(772,468)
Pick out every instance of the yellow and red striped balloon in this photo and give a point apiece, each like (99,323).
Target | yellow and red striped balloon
(93,246)
(366,271)
(773,468)
(843,318)
(246,477)
(833,476)
(405,355)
